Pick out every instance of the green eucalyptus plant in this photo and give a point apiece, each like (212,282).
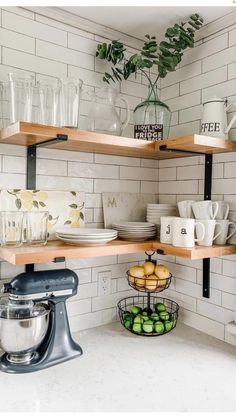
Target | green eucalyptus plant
(165,56)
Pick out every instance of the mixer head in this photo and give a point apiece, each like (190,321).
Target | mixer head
(43,285)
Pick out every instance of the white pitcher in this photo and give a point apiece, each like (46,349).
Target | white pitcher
(214,118)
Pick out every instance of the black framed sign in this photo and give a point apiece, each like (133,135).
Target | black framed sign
(148,132)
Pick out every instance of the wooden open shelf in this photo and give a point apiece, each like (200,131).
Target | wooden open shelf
(25,134)
(54,249)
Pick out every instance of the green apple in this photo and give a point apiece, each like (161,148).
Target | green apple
(148,326)
(128,324)
(135,310)
(159,327)
(145,318)
(127,316)
(164,315)
(168,326)
(137,327)
(154,317)
(138,319)
(160,307)
(144,313)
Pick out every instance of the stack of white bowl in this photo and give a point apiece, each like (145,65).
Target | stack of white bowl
(135,231)
(156,211)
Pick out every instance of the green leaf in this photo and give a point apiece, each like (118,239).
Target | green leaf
(36,190)
(50,217)
(35,204)
(73,193)
(73,206)
(81,215)
(16,190)
(18,203)
(67,222)
(42,204)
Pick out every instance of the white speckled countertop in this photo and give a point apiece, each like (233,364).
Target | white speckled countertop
(184,370)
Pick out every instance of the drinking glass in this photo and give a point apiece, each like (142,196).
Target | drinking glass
(4,104)
(45,102)
(70,93)
(36,228)
(21,95)
(11,227)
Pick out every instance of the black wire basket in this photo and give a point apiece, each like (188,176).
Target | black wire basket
(148,315)
(148,285)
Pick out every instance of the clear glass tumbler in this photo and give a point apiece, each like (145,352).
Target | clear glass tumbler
(37,228)
(70,94)
(11,227)
(45,102)
(4,104)
(21,95)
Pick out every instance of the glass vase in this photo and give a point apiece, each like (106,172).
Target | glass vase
(152,112)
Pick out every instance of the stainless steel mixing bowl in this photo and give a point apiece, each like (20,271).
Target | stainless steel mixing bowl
(19,338)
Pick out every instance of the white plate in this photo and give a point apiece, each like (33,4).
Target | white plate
(132,224)
(87,238)
(92,232)
(136,229)
(85,242)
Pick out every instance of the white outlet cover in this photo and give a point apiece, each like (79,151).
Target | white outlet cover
(104,283)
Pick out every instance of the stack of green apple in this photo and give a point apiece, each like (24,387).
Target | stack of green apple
(150,321)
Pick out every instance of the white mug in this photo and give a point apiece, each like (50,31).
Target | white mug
(223,227)
(223,210)
(166,229)
(205,210)
(183,232)
(210,235)
(185,209)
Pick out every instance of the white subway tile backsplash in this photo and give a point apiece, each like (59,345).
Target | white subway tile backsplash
(32,28)
(220,90)
(170,92)
(229,301)
(184,101)
(175,187)
(80,43)
(95,171)
(117,160)
(226,56)
(32,63)
(230,170)
(167,173)
(59,183)
(214,312)
(108,185)
(138,173)
(149,187)
(203,324)
(181,74)
(50,167)
(74,308)
(204,50)
(15,40)
(64,55)
(190,114)
(204,80)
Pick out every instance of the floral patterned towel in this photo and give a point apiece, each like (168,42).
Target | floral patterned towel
(65,208)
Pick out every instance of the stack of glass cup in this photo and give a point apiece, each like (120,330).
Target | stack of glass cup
(23,227)
(53,102)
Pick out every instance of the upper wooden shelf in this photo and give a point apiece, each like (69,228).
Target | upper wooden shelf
(54,249)
(23,133)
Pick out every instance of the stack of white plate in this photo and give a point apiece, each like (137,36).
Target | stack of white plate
(86,236)
(135,231)
(156,211)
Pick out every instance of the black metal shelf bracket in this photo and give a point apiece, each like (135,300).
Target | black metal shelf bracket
(31,176)
(207,196)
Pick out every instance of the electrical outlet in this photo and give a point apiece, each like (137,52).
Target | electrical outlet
(104,283)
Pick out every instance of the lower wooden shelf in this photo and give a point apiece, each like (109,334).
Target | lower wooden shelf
(56,249)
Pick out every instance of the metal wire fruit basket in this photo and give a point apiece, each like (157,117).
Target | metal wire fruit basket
(148,315)
(147,284)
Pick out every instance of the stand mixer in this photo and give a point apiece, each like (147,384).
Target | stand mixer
(34,327)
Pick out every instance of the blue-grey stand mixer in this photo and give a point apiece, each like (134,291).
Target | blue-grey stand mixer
(34,327)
